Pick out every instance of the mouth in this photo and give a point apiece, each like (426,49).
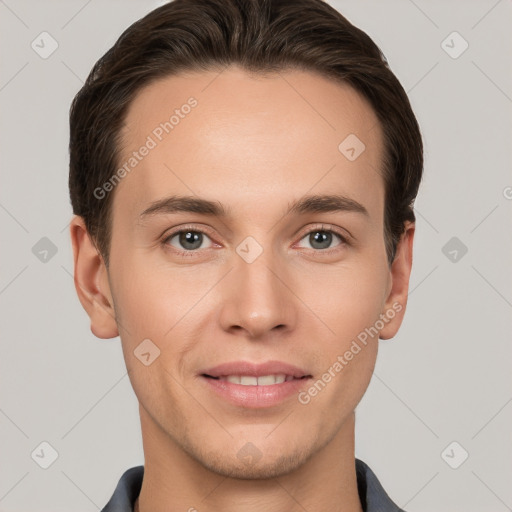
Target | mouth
(251,380)
(254,385)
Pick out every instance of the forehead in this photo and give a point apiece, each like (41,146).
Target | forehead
(247,138)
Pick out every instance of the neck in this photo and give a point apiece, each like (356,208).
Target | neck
(175,481)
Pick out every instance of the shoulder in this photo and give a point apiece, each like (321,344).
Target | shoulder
(127,491)
(371,493)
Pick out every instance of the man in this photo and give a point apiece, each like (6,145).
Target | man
(242,174)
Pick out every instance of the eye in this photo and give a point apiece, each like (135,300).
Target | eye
(320,239)
(187,240)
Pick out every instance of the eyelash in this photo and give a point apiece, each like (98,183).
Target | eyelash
(321,228)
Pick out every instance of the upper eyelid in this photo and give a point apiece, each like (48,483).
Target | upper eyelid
(325,227)
(172,233)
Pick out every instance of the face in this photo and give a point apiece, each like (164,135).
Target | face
(250,279)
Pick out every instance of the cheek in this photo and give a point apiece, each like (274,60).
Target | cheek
(158,312)
(348,308)
(348,304)
(150,302)
(154,318)
(346,299)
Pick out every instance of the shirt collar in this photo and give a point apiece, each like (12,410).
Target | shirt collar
(371,493)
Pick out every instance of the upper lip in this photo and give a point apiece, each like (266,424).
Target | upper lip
(255,369)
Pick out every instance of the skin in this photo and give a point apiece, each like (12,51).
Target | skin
(254,143)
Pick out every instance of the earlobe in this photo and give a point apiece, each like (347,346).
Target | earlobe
(400,272)
(91,282)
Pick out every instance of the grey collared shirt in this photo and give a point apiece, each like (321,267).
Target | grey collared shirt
(371,493)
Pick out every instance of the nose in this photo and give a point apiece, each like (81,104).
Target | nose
(257,298)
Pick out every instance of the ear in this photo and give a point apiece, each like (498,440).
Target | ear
(91,282)
(394,308)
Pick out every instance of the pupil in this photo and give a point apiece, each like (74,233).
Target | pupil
(191,237)
(322,237)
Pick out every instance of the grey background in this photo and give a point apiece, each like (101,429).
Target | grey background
(445,377)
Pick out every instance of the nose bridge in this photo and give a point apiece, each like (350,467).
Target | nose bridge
(257,299)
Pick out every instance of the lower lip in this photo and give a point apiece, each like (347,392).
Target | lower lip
(255,396)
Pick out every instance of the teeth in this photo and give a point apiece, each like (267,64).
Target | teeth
(264,380)
(247,380)
(268,380)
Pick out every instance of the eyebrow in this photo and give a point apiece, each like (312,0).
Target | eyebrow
(306,204)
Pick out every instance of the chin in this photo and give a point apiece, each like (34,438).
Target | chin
(243,468)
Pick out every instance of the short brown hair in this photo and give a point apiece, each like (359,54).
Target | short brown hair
(260,36)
